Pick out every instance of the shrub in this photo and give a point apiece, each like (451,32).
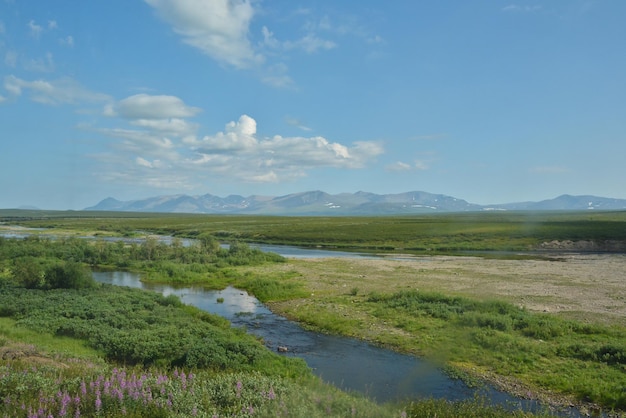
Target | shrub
(68,275)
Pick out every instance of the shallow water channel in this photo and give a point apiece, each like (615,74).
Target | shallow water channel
(348,363)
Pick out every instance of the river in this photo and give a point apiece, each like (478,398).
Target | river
(348,363)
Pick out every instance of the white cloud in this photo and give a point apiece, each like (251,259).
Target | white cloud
(52,24)
(239,136)
(35,29)
(2,98)
(297,123)
(149,164)
(277,157)
(218,28)
(277,76)
(402,166)
(310,43)
(61,91)
(143,143)
(268,38)
(172,126)
(237,153)
(67,41)
(399,166)
(421,165)
(145,106)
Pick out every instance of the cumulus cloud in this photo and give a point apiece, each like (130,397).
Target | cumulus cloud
(144,106)
(235,154)
(246,157)
(55,92)
(218,28)
(239,136)
(35,29)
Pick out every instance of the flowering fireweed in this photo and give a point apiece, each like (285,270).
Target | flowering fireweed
(44,392)
(37,392)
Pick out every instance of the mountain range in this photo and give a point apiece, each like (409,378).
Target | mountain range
(359,203)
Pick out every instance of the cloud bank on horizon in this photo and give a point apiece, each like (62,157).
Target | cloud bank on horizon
(488,101)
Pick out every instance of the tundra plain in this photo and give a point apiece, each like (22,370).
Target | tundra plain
(531,302)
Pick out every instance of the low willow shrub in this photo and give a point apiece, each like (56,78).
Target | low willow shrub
(130,326)
(32,259)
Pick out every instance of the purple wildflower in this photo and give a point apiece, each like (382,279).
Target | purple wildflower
(271,395)
(239,387)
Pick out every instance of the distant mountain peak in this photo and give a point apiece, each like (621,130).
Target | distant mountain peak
(317,202)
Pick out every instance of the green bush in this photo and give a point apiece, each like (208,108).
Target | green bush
(68,275)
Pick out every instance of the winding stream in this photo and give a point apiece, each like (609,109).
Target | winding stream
(348,363)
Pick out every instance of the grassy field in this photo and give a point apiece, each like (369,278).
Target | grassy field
(548,326)
(473,231)
(545,328)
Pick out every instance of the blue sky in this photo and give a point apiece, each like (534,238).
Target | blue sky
(490,101)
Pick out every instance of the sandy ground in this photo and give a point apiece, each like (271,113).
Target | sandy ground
(583,286)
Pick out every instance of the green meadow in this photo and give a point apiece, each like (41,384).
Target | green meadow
(70,346)
(447,232)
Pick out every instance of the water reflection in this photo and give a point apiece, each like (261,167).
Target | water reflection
(345,362)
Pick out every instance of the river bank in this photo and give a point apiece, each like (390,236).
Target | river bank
(588,288)
(532,352)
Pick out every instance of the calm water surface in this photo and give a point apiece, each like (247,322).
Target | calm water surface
(345,362)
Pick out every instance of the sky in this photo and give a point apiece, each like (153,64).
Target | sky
(491,101)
